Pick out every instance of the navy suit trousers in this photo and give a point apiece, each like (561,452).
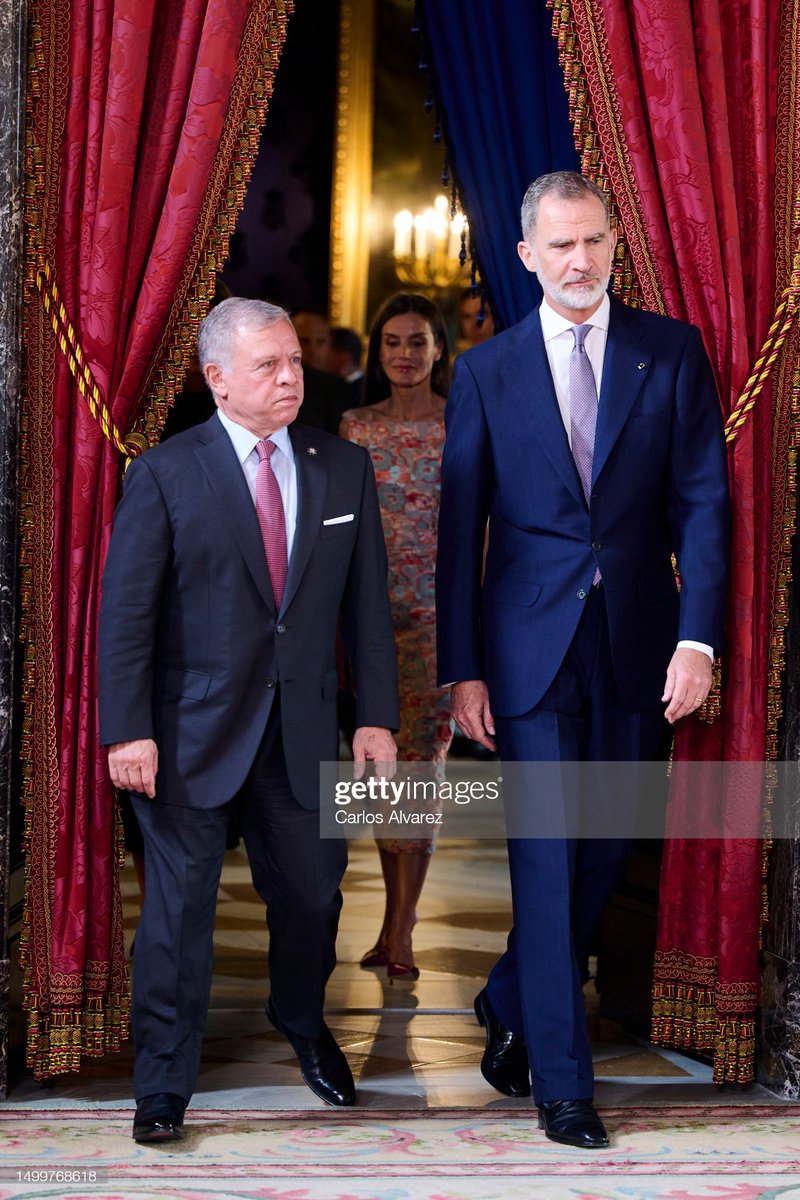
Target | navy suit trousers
(295,873)
(560,885)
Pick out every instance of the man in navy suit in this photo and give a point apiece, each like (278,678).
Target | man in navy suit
(237,548)
(590,438)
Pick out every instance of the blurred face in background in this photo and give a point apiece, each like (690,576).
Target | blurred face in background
(314,336)
(408,350)
(471,331)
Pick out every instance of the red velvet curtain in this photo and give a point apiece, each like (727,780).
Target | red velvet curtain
(143,122)
(679,107)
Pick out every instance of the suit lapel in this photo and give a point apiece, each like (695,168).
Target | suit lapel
(625,368)
(529,382)
(311,467)
(218,460)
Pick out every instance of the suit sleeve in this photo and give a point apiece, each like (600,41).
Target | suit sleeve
(133,581)
(467,475)
(367,618)
(699,499)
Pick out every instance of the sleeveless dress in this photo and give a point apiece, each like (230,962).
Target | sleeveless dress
(407,458)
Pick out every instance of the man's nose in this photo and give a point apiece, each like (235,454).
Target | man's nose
(581,259)
(289,372)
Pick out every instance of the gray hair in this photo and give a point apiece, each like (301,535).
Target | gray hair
(566,185)
(218,329)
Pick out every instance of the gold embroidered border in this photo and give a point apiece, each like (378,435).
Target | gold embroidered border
(46,104)
(786,387)
(262,42)
(593,109)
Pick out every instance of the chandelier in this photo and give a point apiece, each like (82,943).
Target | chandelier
(430,248)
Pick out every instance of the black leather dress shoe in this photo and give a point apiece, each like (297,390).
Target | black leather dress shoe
(505,1060)
(159,1118)
(322,1063)
(574,1123)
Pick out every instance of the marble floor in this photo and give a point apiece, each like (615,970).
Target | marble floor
(411,1046)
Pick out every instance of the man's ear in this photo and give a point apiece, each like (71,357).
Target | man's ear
(527,256)
(215,378)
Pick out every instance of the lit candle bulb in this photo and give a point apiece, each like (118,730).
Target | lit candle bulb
(403,224)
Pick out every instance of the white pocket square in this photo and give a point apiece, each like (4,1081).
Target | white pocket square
(339,520)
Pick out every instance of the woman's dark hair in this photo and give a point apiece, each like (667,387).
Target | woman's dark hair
(376,384)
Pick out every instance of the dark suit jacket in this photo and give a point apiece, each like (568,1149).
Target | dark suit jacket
(660,484)
(191,646)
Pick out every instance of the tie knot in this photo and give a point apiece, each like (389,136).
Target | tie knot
(265,449)
(579,332)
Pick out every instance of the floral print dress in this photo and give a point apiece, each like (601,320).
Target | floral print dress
(407,459)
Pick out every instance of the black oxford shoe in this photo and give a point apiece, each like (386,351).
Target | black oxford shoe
(159,1118)
(322,1064)
(573,1123)
(505,1060)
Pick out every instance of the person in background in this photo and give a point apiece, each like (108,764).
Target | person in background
(314,335)
(402,426)
(325,395)
(472,331)
(344,360)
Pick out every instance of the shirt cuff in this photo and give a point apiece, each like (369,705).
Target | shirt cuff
(687,645)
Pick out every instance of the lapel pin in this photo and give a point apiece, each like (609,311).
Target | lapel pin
(312,449)
(641,366)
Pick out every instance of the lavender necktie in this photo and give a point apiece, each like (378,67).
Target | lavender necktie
(582,411)
(271,518)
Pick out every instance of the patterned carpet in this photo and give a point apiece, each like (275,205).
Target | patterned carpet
(725,1153)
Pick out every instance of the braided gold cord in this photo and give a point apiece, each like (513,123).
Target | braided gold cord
(76,360)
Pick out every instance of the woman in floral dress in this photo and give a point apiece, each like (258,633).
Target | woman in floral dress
(402,426)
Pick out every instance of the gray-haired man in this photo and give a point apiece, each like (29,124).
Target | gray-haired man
(237,546)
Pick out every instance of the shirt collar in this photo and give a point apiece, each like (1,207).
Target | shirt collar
(554,324)
(245,442)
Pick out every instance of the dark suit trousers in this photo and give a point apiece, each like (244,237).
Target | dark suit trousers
(295,873)
(560,885)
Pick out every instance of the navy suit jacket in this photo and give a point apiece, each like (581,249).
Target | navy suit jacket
(660,485)
(191,645)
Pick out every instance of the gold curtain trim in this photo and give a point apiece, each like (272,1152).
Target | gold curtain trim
(687,1016)
(70,347)
(782,324)
(264,37)
(58,1037)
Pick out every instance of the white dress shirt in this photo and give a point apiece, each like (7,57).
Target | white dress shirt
(558,342)
(282,463)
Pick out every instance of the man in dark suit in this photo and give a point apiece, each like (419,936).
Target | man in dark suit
(574,638)
(236,547)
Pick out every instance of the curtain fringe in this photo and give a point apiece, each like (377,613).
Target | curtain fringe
(59,1039)
(686,1017)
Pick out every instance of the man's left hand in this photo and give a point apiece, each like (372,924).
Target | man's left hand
(688,683)
(373,743)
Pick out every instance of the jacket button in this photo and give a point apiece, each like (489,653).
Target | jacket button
(597,545)
(271,682)
(581,594)
(280,629)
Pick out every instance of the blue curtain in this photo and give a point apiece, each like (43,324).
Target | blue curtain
(503,105)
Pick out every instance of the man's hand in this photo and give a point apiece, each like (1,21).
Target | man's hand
(688,683)
(134,765)
(469,707)
(373,743)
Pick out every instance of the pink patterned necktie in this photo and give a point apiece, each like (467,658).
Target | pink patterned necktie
(271,518)
(582,412)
